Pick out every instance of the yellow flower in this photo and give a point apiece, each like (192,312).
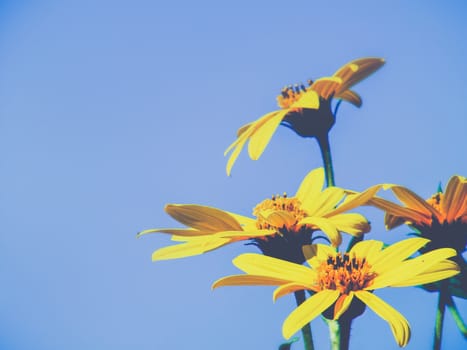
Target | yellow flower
(337,278)
(441,218)
(306,110)
(282,225)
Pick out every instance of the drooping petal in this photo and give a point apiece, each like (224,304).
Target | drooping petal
(257,264)
(442,270)
(325,225)
(326,87)
(413,201)
(391,221)
(357,70)
(239,235)
(202,217)
(277,218)
(351,223)
(326,201)
(237,147)
(411,268)
(247,280)
(399,325)
(307,311)
(243,128)
(311,186)
(287,289)
(342,304)
(355,200)
(396,210)
(397,252)
(260,139)
(350,96)
(190,248)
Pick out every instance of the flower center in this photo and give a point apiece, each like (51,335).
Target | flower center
(344,273)
(436,201)
(290,94)
(289,207)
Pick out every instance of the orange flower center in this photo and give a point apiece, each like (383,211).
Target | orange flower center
(344,273)
(291,206)
(291,94)
(436,201)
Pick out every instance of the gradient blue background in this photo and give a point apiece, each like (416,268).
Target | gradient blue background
(111,109)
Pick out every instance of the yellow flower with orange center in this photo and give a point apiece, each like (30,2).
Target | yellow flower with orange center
(281,226)
(338,278)
(306,110)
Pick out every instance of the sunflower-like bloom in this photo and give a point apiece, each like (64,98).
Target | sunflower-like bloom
(442,218)
(306,110)
(282,225)
(338,278)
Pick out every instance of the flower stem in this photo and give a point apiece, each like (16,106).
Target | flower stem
(442,301)
(456,315)
(323,142)
(306,330)
(339,331)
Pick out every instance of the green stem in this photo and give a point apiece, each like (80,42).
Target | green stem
(442,301)
(323,142)
(306,330)
(456,315)
(339,331)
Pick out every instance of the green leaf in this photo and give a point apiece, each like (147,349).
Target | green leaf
(287,346)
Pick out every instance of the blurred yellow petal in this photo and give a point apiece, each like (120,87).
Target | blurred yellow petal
(355,200)
(397,210)
(399,325)
(243,128)
(307,311)
(326,87)
(391,221)
(277,218)
(287,289)
(247,280)
(202,217)
(455,197)
(311,186)
(244,234)
(260,139)
(257,264)
(413,201)
(342,304)
(236,152)
(191,248)
(357,70)
(175,231)
(350,96)
(327,201)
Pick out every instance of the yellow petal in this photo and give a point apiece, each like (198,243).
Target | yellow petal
(440,271)
(309,99)
(397,210)
(243,128)
(238,235)
(326,87)
(311,186)
(355,200)
(236,152)
(261,265)
(326,201)
(369,249)
(326,226)
(247,280)
(286,289)
(397,252)
(202,217)
(350,96)
(392,221)
(342,304)
(260,139)
(351,223)
(191,248)
(357,70)
(413,201)
(175,231)
(411,268)
(455,198)
(277,218)
(307,311)
(399,325)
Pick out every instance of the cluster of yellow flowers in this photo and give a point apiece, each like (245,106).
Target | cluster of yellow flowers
(283,227)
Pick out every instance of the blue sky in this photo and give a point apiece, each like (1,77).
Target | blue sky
(111,109)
